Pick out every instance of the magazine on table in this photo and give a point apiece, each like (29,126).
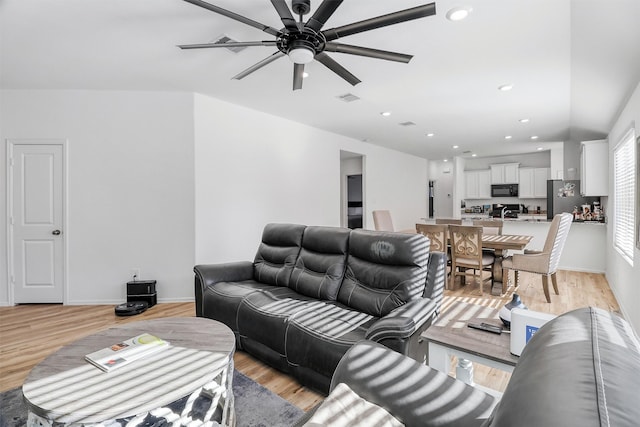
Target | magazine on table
(127,351)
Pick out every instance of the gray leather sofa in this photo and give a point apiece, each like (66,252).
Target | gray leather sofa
(581,369)
(312,292)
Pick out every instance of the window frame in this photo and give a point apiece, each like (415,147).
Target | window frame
(625,204)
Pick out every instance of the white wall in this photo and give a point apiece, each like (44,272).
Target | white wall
(130,190)
(132,184)
(622,277)
(276,170)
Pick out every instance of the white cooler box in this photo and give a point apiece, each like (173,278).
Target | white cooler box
(524,324)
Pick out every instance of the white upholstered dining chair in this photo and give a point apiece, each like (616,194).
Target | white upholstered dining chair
(544,262)
(382,220)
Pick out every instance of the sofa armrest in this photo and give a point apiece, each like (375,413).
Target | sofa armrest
(208,274)
(403,322)
(410,391)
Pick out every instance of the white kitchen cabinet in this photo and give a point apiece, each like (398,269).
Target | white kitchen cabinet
(477,184)
(540,177)
(594,168)
(533,183)
(504,173)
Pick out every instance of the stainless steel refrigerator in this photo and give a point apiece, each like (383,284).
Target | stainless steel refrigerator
(564,196)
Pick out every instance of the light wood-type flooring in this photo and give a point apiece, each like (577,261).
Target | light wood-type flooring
(29,333)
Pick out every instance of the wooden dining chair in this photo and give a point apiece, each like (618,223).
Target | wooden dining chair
(490,226)
(437,234)
(544,262)
(467,256)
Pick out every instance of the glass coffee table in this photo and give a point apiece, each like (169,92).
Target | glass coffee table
(191,379)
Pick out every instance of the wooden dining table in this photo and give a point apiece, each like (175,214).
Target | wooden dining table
(501,243)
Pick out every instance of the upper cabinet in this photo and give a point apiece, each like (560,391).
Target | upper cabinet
(594,168)
(533,183)
(504,173)
(477,184)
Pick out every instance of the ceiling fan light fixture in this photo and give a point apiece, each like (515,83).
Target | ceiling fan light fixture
(301,52)
(301,55)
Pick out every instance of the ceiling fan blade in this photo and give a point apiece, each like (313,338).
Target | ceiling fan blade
(368,52)
(380,21)
(233,15)
(258,65)
(298,71)
(337,68)
(322,13)
(285,15)
(227,44)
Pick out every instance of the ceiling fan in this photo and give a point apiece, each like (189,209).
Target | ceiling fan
(303,42)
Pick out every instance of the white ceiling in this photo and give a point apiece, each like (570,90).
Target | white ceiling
(572,63)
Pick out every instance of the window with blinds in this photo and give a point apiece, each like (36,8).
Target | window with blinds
(624,196)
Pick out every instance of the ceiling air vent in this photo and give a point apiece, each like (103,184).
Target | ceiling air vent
(407,124)
(347,97)
(227,39)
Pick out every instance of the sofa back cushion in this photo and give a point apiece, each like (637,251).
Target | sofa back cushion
(579,369)
(384,271)
(319,269)
(277,253)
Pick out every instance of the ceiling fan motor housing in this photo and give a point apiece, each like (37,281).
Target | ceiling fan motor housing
(301,7)
(309,40)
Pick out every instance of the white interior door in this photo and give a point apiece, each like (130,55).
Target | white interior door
(36,222)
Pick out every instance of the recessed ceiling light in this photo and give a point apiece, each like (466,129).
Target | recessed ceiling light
(305,75)
(386,113)
(508,137)
(506,87)
(474,155)
(430,134)
(534,137)
(524,120)
(458,13)
(445,160)
(455,147)
(540,148)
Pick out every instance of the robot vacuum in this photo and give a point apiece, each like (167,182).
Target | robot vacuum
(131,308)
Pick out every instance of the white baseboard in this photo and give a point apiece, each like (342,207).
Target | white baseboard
(120,301)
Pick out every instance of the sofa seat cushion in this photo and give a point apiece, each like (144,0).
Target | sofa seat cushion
(222,300)
(318,337)
(263,316)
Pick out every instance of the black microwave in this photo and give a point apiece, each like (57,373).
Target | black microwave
(504,190)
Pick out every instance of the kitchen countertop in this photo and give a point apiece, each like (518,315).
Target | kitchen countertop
(541,217)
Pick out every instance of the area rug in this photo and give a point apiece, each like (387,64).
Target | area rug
(255,406)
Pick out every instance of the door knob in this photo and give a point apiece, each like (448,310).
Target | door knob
(56,232)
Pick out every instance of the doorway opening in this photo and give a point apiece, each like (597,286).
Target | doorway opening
(352,192)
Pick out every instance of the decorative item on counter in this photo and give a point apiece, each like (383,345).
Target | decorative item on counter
(505,312)
(576,214)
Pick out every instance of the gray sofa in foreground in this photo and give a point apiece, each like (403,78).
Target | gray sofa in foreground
(312,292)
(581,369)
